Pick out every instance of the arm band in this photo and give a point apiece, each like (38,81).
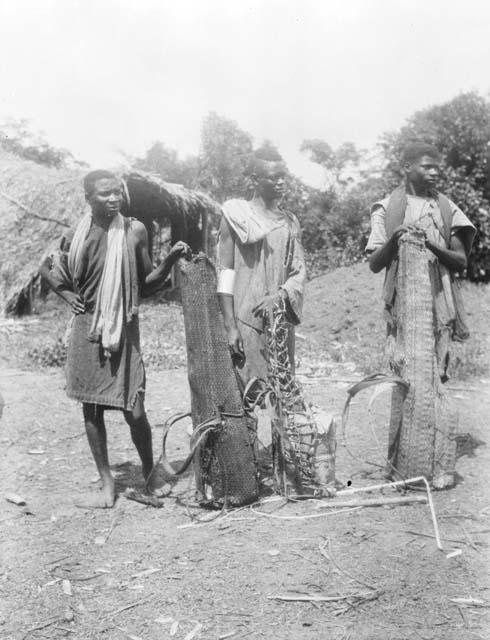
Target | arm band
(226,281)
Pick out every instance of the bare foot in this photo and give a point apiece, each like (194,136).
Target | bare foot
(144,498)
(102,499)
(156,487)
(160,492)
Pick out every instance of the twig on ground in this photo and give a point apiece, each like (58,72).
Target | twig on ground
(15,499)
(405,483)
(76,578)
(146,572)
(371,502)
(56,560)
(317,597)
(325,571)
(463,615)
(76,435)
(470,539)
(430,535)
(114,522)
(305,517)
(470,602)
(233,614)
(111,614)
(330,557)
(41,625)
(313,597)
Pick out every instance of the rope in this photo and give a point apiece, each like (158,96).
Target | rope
(199,434)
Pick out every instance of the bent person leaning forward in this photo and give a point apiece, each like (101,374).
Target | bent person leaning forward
(101,270)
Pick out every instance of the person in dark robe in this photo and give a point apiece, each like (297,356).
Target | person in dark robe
(101,270)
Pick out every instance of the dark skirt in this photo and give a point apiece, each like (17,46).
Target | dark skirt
(92,377)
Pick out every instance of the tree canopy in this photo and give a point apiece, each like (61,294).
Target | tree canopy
(460,129)
(225,153)
(333,161)
(166,163)
(335,219)
(17,137)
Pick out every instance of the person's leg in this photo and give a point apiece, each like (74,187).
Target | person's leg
(97,438)
(142,439)
(443,340)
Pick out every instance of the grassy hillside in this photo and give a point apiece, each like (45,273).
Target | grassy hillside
(342,329)
(343,322)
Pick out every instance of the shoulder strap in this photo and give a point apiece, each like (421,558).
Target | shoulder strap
(395,214)
(447,216)
(395,210)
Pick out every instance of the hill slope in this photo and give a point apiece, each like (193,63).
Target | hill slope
(343,321)
(342,329)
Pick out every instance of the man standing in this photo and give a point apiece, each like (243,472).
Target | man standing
(261,263)
(449,236)
(102,268)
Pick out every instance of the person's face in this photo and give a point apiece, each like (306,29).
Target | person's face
(423,173)
(270,180)
(106,198)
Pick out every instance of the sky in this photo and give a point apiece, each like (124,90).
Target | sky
(99,76)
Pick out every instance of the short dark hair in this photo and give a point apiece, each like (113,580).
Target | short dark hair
(265,153)
(415,150)
(92,177)
(268,152)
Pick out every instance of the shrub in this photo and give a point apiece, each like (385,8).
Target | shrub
(51,354)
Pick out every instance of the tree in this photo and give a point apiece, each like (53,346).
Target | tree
(335,162)
(225,153)
(16,136)
(460,129)
(334,220)
(165,162)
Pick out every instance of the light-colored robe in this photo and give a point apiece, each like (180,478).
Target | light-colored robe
(268,257)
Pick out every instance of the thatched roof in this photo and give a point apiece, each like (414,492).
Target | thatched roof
(38,204)
(188,211)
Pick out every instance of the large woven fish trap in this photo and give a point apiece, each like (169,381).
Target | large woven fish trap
(303,454)
(423,422)
(225,463)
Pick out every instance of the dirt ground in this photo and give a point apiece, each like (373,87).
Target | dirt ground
(141,573)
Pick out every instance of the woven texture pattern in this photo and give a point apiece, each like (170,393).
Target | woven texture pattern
(226,466)
(296,436)
(422,427)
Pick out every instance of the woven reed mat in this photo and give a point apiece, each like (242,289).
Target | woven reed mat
(422,428)
(225,467)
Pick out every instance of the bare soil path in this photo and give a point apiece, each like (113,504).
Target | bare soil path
(141,573)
